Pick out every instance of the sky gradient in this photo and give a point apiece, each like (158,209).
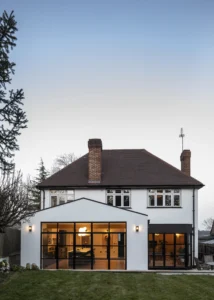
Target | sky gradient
(129,72)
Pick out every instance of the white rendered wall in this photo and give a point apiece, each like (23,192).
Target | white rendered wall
(139,201)
(85,210)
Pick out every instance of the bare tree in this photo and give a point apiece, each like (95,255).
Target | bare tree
(62,161)
(208,223)
(15,203)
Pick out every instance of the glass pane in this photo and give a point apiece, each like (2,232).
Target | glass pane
(48,251)
(68,227)
(117,252)
(83,228)
(151,200)
(49,227)
(180,261)
(49,264)
(118,200)
(151,260)
(53,200)
(180,249)
(65,264)
(176,200)
(118,227)
(100,227)
(118,191)
(169,238)
(100,251)
(169,261)
(180,238)
(169,250)
(158,260)
(49,239)
(110,200)
(117,264)
(100,239)
(100,264)
(63,251)
(126,201)
(83,241)
(168,200)
(160,191)
(176,191)
(151,191)
(159,200)
(109,191)
(168,191)
(126,191)
(150,237)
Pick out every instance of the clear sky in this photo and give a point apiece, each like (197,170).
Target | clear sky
(129,72)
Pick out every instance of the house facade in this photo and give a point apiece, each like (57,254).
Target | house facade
(115,209)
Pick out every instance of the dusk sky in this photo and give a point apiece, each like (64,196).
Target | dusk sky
(129,72)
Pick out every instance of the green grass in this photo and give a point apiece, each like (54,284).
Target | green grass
(65,285)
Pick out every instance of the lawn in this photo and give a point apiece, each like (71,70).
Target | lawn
(66,285)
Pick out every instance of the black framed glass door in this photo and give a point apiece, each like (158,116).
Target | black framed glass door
(83,245)
(169,250)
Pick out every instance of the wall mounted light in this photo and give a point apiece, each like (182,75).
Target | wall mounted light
(137,228)
(178,235)
(82,229)
(30,228)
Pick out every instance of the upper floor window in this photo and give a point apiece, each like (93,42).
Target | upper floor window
(61,197)
(120,198)
(164,198)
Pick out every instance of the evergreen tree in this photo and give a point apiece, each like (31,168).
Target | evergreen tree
(41,176)
(12,117)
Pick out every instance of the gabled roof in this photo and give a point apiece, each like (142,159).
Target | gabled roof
(123,168)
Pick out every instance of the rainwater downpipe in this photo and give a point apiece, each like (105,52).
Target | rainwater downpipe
(193,225)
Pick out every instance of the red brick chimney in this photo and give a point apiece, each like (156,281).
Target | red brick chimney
(94,160)
(185,162)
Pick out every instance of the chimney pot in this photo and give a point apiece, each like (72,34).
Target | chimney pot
(94,160)
(186,162)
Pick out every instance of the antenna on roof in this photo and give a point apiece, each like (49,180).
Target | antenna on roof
(182,135)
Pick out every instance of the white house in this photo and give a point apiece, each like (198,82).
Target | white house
(115,210)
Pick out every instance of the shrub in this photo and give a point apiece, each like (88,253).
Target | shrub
(35,267)
(28,266)
(17,268)
(4,266)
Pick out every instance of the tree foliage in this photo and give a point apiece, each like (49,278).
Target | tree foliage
(15,202)
(42,174)
(207,223)
(63,161)
(12,117)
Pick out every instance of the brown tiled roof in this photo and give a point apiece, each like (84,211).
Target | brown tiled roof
(122,168)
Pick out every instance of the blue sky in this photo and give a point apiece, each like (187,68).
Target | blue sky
(129,72)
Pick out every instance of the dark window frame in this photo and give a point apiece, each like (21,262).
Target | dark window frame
(109,232)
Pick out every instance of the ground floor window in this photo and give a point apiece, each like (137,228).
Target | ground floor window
(83,246)
(170,250)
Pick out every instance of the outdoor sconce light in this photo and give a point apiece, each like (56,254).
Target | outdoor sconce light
(137,228)
(30,228)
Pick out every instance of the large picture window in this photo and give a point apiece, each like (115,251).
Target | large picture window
(164,198)
(83,246)
(119,198)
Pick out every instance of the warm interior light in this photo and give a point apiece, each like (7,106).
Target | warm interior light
(137,228)
(156,234)
(178,234)
(30,228)
(82,229)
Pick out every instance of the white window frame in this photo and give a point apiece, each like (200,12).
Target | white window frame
(63,196)
(122,194)
(166,192)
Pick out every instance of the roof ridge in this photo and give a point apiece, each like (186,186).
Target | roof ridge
(168,164)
